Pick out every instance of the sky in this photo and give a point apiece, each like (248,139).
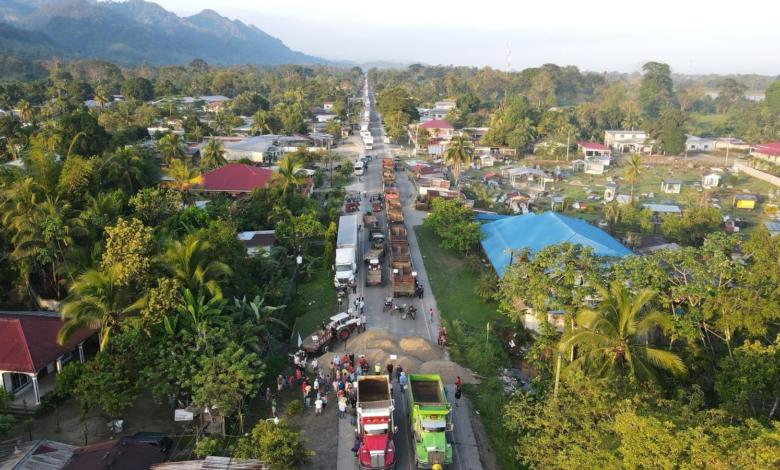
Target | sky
(693,36)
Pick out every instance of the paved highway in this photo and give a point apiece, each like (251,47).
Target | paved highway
(466,454)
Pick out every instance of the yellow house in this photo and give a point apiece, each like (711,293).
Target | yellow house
(745,201)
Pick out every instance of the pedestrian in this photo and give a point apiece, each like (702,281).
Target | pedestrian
(398,371)
(351,359)
(359,324)
(363,321)
(316,384)
(402,381)
(389,371)
(430,315)
(357,303)
(318,405)
(342,407)
(420,290)
(352,416)
(309,396)
(457,397)
(273,406)
(279,382)
(268,396)
(337,361)
(359,370)
(345,361)
(298,374)
(356,445)
(314,365)
(285,383)
(354,287)
(362,304)
(290,382)
(377,369)
(438,337)
(457,384)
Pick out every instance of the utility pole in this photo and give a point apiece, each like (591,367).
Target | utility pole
(557,376)
(568,142)
(727,150)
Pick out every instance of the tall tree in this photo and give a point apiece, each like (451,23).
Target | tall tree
(289,175)
(171,147)
(633,171)
(212,155)
(613,341)
(188,262)
(127,170)
(655,93)
(182,177)
(458,154)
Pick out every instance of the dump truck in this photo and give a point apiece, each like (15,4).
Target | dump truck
(374,272)
(376,237)
(388,184)
(397,232)
(375,423)
(430,420)
(394,205)
(391,192)
(387,174)
(387,162)
(395,217)
(403,283)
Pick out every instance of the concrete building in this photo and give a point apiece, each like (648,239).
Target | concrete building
(671,186)
(627,141)
(699,144)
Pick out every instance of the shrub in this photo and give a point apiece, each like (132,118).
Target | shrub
(295,407)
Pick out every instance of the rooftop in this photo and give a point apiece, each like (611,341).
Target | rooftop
(121,454)
(592,146)
(538,231)
(436,124)
(257,238)
(28,340)
(35,455)
(236,178)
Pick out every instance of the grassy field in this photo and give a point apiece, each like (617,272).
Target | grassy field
(452,284)
(314,302)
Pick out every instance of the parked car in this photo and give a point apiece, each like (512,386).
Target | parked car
(156,439)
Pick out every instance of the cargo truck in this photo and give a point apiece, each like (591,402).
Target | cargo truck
(430,420)
(346,250)
(375,423)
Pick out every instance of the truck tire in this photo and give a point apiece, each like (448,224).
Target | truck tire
(343,334)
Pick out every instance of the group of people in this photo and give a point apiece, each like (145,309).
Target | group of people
(442,336)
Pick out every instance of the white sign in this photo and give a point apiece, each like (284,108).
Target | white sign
(182,415)
(393,357)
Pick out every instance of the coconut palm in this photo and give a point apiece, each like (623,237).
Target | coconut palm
(458,154)
(633,171)
(127,170)
(171,147)
(182,177)
(188,262)
(25,110)
(613,340)
(101,97)
(260,123)
(96,300)
(289,174)
(223,122)
(212,155)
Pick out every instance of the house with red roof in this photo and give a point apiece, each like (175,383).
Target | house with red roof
(439,132)
(593,149)
(29,352)
(769,151)
(239,180)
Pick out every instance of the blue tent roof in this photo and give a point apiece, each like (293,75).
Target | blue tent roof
(538,231)
(490,217)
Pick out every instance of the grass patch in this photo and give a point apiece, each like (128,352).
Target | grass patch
(489,399)
(453,285)
(314,302)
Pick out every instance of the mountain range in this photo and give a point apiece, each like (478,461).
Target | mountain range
(132,32)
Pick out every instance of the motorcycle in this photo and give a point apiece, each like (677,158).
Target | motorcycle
(388,303)
(410,311)
(396,308)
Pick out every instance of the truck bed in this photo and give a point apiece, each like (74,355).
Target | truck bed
(372,389)
(426,391)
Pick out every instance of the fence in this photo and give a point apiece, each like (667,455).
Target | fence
(771,179)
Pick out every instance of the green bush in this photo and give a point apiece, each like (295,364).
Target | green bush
(295,407)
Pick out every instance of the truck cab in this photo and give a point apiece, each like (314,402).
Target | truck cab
(346,266)
(375,407)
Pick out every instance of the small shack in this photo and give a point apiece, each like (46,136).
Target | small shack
(745,201)
(710,179)
(596,165)
(611,192)
(671,186)
(660,210)
(486,160)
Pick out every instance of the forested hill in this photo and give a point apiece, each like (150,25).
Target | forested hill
(133,32)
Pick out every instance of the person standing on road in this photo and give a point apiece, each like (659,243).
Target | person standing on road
(398,371)
(279,381)
(390,371)
(342,407)
(457,384)
(273,406)
(420,290)
(430,315)
(457,397)
(354,286)
(362,304)
(363,321)
(377,369)
(318,405)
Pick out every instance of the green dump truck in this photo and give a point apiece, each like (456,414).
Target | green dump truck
(430,420)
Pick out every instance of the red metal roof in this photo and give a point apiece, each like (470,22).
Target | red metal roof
(592,145)
(436,124)
(770,148)
(490,175)
(28,342)
(236,178)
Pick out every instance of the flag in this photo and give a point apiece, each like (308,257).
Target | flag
(300,341)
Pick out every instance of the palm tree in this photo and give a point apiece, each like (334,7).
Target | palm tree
(127,170)
(289,174)
(633,171)
(212,155)
(458,154)
(101,97)
(260,123)
(24,109)
(199,315)
(189,264)
(182,177)
(487,286)
(171,147)
(614,339)
(222,122)
(96,300)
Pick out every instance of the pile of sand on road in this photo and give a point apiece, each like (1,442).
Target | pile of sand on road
(415,355)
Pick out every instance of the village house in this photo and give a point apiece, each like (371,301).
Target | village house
(698,144)
(745,202)
(30,356)
(710,179)
(593,149)
(258,149)
(732,143)
(235,179)
(627,141)
(327,105)
(257,241)
(769,151)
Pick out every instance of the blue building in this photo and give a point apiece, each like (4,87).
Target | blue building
(535,232)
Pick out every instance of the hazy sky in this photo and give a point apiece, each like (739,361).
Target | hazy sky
(705,36)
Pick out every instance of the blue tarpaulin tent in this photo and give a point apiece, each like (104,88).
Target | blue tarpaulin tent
(538,231)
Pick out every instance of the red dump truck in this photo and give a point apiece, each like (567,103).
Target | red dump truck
(375,423)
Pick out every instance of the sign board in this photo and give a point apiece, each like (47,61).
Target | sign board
(182,415)
(393,357)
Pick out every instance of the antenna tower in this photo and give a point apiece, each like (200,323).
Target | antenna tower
(508,59)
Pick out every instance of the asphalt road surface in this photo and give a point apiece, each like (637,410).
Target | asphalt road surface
(466,454)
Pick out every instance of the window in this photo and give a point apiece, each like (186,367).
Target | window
(19,381)
(622,136)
